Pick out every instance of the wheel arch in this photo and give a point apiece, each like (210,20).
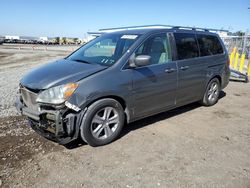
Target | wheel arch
(204,101)
(216,76)
(212,77)
(208,80)
(118,99)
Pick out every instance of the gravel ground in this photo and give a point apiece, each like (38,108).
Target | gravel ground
(13,65)
(192,146)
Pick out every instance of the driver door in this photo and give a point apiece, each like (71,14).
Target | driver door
(154,85)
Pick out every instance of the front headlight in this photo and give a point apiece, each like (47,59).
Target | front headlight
(58,94)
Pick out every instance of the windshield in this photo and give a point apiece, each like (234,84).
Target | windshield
(104,50)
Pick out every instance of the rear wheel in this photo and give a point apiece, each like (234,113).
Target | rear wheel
(102,122)
(212,93)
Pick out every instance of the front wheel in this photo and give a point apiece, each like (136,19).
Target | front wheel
(102,122)
(211,96)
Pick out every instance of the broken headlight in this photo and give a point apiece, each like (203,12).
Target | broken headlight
(58,94)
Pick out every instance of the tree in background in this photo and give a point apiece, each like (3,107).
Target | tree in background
(237,33)
(240,33)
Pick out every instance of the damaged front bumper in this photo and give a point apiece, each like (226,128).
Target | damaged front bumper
(61,125)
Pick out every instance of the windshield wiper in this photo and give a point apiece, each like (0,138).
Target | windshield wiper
(82,61)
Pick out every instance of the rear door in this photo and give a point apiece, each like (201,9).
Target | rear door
(212,52)
(154,86)
(191,69)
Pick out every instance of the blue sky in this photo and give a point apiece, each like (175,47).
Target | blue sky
(73,18)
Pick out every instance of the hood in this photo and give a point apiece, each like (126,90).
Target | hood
(59,72)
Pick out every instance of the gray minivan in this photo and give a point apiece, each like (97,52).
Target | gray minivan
(121,77)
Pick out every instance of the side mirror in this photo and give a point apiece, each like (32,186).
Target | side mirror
(142,60)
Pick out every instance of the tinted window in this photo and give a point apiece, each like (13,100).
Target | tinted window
(186,45)
(209,45)
(157,47)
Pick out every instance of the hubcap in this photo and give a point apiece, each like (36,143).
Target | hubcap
(104,123)
(213,92)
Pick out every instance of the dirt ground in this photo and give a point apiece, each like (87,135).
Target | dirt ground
(191,146)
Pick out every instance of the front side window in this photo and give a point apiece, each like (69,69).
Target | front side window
(209,45)
(157,47)
(104,50)
(186,45)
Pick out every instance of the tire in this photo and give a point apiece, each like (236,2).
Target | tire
(211,95)
(102,122)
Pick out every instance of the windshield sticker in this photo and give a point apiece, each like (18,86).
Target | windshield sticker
(129,36)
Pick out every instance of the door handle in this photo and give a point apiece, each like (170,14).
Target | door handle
(184,67)
(169,70)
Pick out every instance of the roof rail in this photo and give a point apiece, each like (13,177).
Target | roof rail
(137,27)
(160,26)
(199,28)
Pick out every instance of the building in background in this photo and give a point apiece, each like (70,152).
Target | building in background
(28,39)
(222,33)
(44,39)
(9,37)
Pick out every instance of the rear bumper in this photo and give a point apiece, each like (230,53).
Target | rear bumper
(61,125)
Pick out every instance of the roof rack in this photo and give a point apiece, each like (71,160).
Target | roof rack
(159,26)
(137,27)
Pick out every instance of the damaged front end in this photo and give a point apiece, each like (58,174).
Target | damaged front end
(60,123)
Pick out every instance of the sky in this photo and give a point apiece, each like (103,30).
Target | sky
(73,18)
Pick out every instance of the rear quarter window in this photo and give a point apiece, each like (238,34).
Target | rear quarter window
(209,45)
(186,45)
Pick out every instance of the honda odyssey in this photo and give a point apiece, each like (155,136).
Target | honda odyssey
(121,77)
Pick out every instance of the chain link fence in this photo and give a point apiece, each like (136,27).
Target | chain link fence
(241,43)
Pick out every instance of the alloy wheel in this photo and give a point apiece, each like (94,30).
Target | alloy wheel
(104,123)
(213,92)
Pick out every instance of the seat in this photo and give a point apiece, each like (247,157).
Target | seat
(157,52)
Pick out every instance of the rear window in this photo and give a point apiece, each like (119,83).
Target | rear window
(186,45)
(209,45)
